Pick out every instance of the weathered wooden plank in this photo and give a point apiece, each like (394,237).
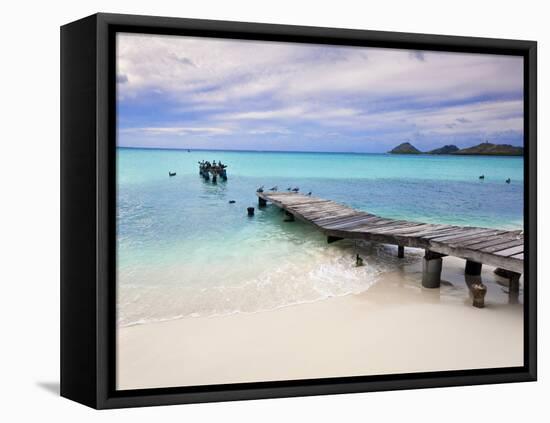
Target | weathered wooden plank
(326,209)
(321,219)
(487,241)
(518,256)
(422,227)
(502,246)
(326,213)
(366,225)
(458,241)
(372,226)
(329,215)
(453,231)
(399,229)
(466,233)
(434,231)
(341,222)
(510,251)
(333,215)
(304,204)
(395,228)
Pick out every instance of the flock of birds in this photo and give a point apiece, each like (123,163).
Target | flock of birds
(507,180)
(276,188)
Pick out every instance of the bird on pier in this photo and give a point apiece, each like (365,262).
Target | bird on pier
(482,177)
(273,188)
(508,180)
(309,193)
(261,189)
(296,189)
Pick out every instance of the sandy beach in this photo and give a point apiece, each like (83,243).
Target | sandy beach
(395,327)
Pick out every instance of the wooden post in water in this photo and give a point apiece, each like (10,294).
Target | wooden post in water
(400,251)
(289,217)
(431,269)
(478,292)
(262,202)
(473,268)
(250,211)
(514,282)
(513,278)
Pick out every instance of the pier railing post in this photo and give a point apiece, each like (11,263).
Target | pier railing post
(432,264)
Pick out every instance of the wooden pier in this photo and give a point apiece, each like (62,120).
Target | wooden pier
(499,248)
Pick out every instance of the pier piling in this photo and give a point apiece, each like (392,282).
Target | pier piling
(478,292)
(472,268)
(400,251)
(513,278)
(250,211)
(432,264)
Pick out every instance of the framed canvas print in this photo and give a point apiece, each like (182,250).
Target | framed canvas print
(255,211)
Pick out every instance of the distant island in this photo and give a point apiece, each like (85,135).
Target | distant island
(446,149)
(405,148)
(483,149)
(488,149)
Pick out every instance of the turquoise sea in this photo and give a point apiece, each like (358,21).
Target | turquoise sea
(183,250)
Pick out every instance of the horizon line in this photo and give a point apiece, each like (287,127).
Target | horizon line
(421,153)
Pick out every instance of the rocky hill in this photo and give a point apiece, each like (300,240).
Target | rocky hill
(489,149)
(484,149)
(405,148)
(447,149)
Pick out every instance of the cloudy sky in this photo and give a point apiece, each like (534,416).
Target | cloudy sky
(188,92)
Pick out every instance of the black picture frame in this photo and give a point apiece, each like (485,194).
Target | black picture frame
(88,127)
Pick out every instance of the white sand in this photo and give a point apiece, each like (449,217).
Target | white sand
(395,327)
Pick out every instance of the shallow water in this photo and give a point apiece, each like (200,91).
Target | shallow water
(183,250)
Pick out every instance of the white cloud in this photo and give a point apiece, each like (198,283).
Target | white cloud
(176,130)
(248,86)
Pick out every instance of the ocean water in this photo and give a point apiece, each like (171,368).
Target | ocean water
(183,250)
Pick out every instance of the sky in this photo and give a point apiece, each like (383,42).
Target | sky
(207,93)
